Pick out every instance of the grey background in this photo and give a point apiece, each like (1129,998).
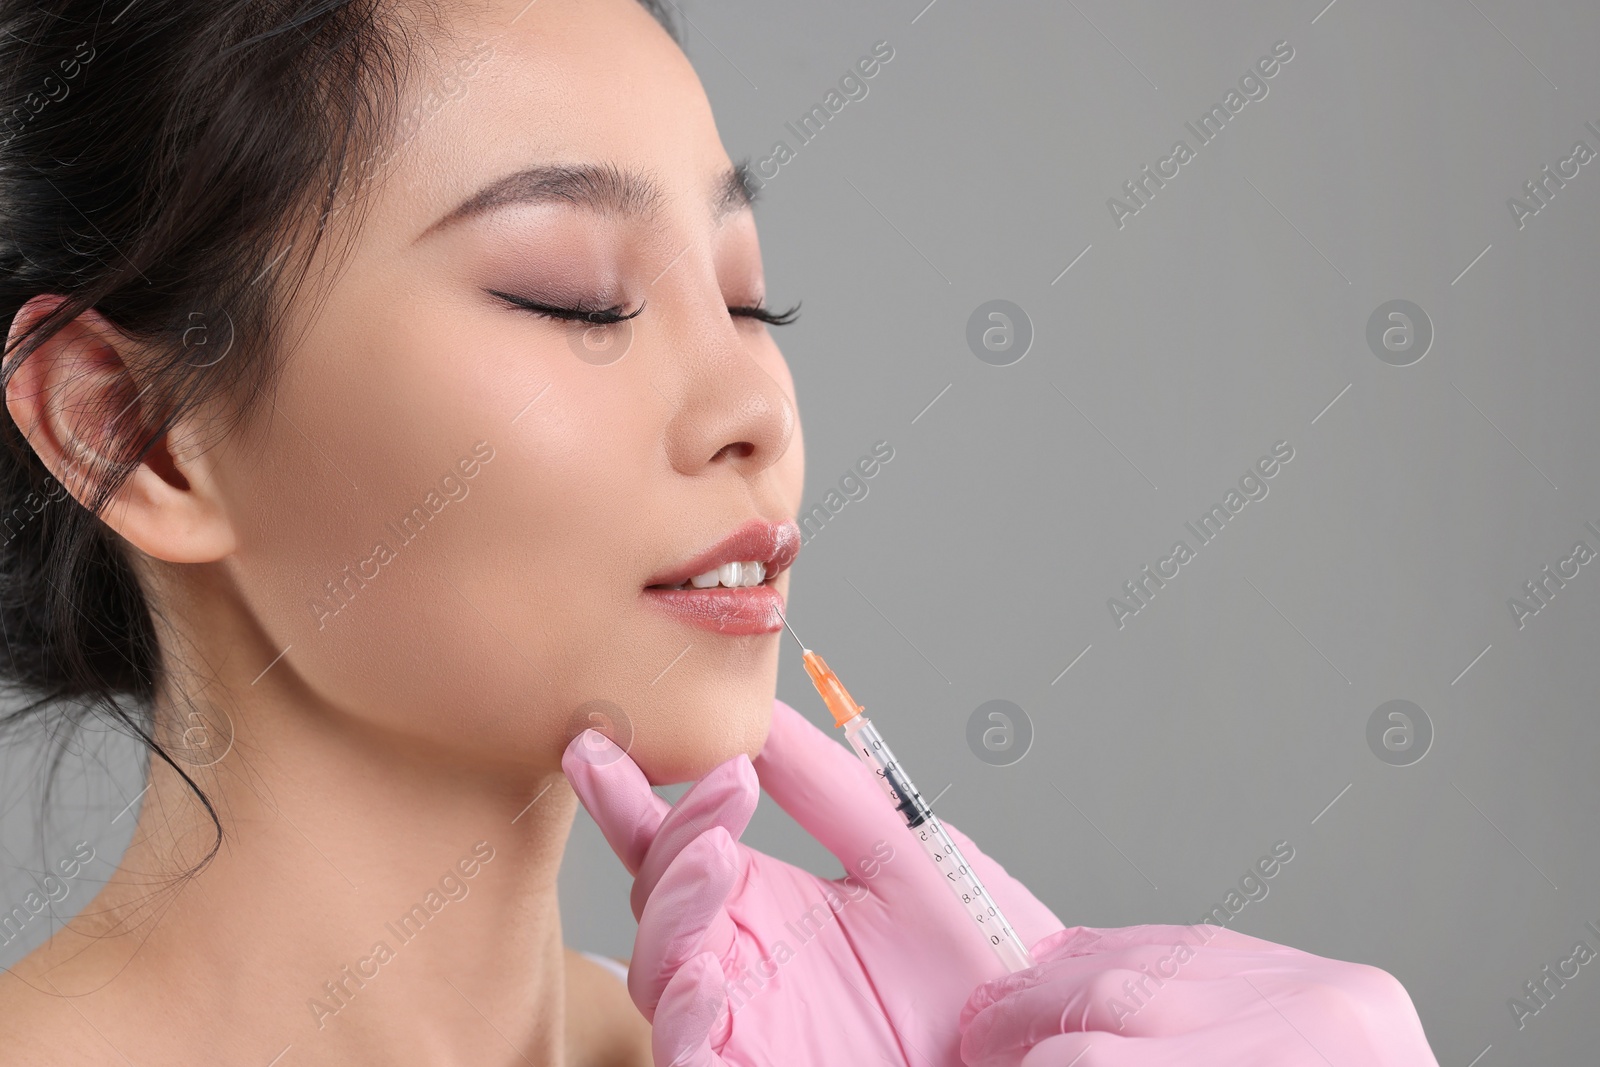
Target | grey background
(1231,713)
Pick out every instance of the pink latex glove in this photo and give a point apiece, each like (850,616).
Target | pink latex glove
(1130,997)
(743,959)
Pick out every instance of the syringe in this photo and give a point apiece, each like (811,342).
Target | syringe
(941,848)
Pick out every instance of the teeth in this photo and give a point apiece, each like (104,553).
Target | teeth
(730,576)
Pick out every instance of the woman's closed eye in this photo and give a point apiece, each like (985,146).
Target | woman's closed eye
(592,315)
(771,318)
(601,316)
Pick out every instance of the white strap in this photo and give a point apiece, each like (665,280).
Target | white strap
(615,967)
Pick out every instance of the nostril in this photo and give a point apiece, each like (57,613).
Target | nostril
(737,450)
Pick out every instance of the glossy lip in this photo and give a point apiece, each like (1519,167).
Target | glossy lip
(756,609)
(746,611)
(773,543)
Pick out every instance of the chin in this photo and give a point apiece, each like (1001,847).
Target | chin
(683,746)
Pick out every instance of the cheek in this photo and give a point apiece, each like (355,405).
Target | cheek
(487,625)
(439,617)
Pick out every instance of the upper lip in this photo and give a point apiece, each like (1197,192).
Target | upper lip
(774,544)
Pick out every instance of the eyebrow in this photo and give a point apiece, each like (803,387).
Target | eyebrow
(603,188)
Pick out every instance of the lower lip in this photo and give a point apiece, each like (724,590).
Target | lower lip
(755,609)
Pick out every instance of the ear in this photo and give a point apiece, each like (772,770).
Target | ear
(79,400)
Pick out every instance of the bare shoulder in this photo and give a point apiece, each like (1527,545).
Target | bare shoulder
(604,1028)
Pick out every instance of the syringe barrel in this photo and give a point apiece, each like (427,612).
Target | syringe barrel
(936,841)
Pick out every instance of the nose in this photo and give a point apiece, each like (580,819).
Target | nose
(730,411)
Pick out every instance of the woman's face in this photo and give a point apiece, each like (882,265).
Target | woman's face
(454,512)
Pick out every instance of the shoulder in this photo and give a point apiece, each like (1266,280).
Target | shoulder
(604,1027)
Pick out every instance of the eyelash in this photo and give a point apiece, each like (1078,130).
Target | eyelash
(611,315)
(771,318)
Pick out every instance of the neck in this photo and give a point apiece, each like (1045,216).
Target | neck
(368,904)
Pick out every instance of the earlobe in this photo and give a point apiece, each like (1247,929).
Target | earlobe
(83,406)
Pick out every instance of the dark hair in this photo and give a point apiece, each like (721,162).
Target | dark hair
(171,164)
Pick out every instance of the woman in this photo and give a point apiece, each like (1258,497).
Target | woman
(392,397)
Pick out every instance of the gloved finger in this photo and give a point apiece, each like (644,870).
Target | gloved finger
(1228,1006)
(689,903)
(1027,915)
(1061,1004)
(1131,1001)
(996,989)
(693,1013)
(1068,941)
(725,797)
(615,792)
(1100,940)
(1065,1050)
(1079,955)
(1063,996)
(1091,1050)
(1264,1042)
(826,789)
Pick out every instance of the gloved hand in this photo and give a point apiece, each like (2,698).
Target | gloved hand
(1202,996)
(742,959)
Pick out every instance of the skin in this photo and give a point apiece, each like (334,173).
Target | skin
(430,713)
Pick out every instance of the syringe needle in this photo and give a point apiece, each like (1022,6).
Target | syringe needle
(786,626)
